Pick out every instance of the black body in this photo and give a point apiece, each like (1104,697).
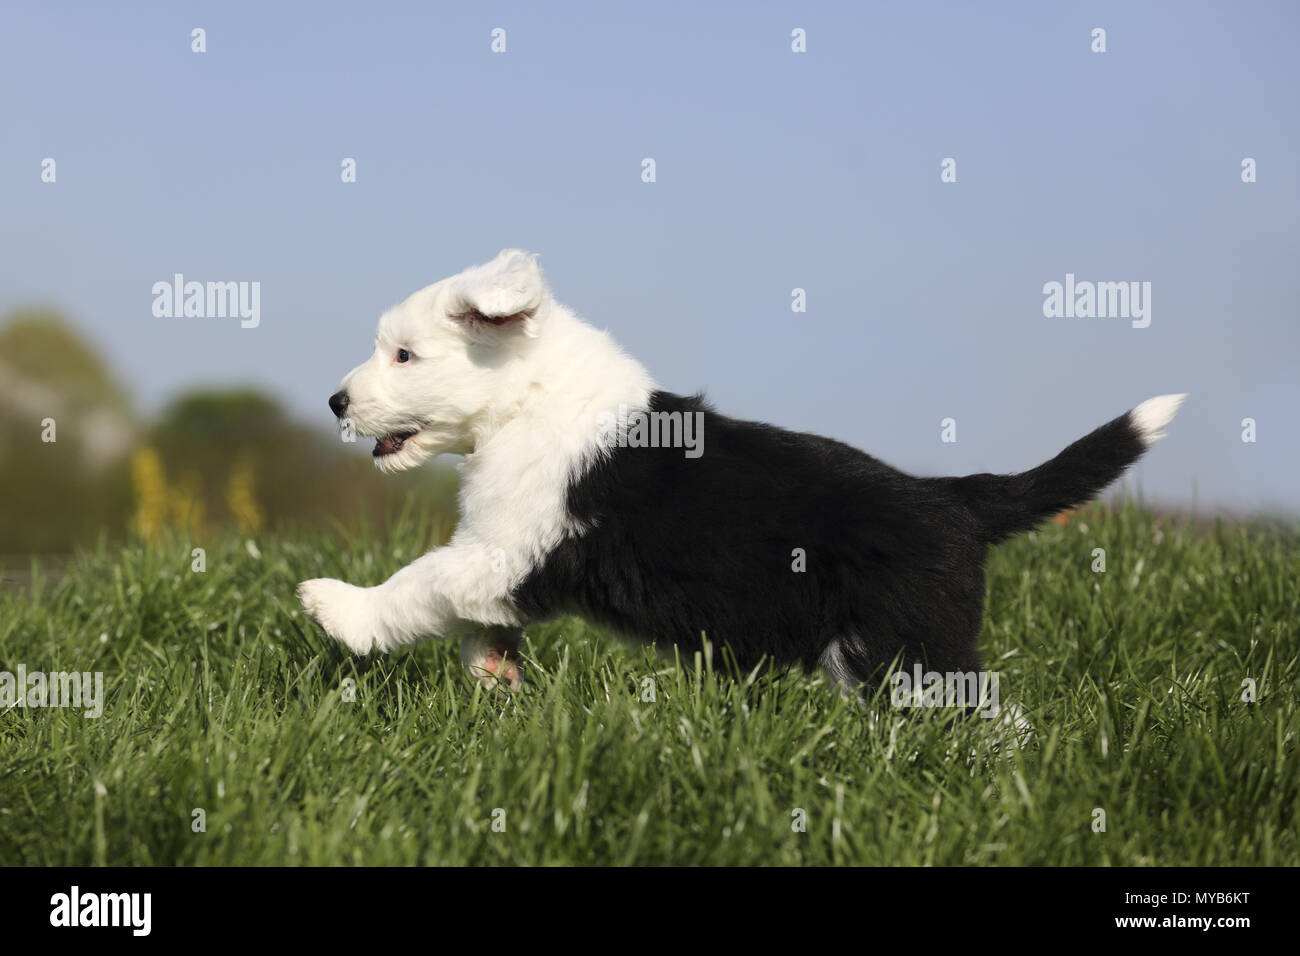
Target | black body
(680,547)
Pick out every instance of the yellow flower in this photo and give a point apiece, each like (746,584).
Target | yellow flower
(240,498)
(149,482)
(187,504)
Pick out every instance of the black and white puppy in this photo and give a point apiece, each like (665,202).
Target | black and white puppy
(586,490)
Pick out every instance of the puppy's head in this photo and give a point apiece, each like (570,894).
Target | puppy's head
(442,359)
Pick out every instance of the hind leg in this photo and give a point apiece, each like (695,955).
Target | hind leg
(492,655)
(839,668)
(951,667)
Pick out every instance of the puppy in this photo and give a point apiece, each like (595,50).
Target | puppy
(587,490)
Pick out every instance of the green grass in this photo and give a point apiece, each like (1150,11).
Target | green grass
(219,697)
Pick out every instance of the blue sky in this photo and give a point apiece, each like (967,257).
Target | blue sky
(775,170)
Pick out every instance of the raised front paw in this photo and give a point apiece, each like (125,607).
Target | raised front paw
(343,610)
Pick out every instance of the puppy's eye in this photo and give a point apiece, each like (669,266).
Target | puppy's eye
(403,355)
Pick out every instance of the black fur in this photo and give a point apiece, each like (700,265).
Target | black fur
(679,547)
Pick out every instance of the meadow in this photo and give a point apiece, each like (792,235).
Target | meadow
(1162,693)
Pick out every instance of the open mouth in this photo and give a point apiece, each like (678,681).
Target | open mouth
(391,444)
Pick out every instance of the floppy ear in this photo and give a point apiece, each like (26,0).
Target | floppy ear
(506,292)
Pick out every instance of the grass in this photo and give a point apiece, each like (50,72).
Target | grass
(218,697)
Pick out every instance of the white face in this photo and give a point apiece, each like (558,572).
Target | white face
(442,358)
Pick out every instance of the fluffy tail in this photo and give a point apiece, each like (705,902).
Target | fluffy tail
(1008,504)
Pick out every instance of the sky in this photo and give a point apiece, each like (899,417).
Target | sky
(774,170)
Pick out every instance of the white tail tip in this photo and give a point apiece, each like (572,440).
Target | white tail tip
(1150,418)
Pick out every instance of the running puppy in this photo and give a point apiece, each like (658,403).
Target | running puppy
(586,490)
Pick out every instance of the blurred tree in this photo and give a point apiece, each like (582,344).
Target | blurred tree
(262,469)
(215,456)
(54,386)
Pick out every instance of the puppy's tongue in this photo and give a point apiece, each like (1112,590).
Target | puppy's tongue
(390,444)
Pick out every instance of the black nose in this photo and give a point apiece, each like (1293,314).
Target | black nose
(339,403)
